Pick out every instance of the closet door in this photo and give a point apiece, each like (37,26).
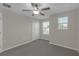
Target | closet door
(0,31)
(35,30)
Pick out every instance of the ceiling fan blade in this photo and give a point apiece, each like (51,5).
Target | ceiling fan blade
(42,14)
(48,8)
(6,5)
(26,10)
(34,5)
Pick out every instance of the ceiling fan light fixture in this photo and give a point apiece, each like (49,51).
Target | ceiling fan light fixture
(36,12)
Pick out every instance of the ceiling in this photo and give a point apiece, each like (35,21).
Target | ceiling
(55,8)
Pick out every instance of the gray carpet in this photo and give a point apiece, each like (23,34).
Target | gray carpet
(39,48)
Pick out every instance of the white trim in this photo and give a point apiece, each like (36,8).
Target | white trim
(20,44)
(78,51)
(33,40)
(63,46)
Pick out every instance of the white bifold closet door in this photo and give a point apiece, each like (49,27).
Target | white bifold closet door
(0,31)
(35,30)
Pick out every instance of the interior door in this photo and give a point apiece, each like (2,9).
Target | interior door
(0,31)
(35,30)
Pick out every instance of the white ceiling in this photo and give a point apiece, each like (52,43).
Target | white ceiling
(55,8)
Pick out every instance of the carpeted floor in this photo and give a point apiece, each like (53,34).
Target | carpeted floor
(39,48)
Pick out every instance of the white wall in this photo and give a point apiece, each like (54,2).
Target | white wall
(65,38)
(17,29)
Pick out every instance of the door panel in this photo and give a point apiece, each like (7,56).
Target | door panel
(35,30)
(0,31)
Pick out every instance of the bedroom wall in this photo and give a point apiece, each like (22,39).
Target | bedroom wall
(64,38)
(17,29)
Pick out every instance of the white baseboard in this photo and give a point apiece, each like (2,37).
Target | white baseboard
(78,51)
(63,46)
(33,40)
(16,46)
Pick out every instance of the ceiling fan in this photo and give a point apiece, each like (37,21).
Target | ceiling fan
(36,9)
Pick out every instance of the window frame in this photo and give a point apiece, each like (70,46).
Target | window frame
(44,29)
(63,23)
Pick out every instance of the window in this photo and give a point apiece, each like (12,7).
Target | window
(45,26)
(63,23)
